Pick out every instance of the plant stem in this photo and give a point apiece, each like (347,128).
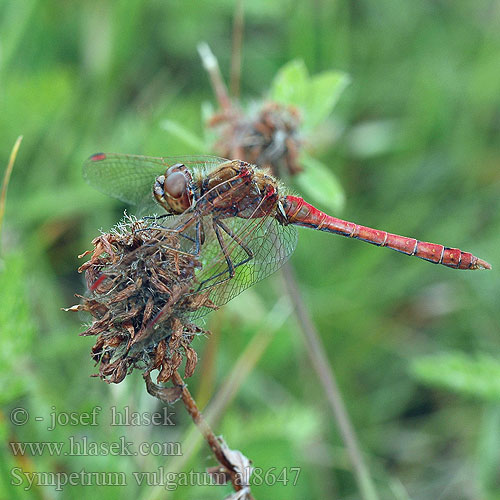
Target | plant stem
(207,432)
(212,68)
(327,379)
(244,365)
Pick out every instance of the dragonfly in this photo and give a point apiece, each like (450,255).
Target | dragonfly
(236,218)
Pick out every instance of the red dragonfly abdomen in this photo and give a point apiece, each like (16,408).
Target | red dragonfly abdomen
(301,213)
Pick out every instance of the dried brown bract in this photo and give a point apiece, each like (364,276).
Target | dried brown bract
(140,296)
(269,138)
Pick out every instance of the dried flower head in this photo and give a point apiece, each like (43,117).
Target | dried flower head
(139,297)
(268,137)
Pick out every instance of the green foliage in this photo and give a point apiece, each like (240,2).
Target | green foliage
(17,325)
(414,144)
(488,453)
(315,96)
(319,184)
(477,376)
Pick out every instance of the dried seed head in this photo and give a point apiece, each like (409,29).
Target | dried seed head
(269,138)
(139,284)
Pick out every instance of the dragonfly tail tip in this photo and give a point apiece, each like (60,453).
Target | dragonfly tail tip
(482,264)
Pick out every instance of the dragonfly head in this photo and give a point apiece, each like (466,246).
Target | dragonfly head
(173,190)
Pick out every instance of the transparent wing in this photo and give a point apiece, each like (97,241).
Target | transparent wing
(234,253)
(256,248)
(130,178)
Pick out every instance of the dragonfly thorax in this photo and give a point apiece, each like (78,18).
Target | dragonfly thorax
(173,190)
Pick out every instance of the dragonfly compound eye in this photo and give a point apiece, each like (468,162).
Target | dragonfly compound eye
(175,168)
(175,184)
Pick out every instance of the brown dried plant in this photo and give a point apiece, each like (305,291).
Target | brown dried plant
(268,136)
(140,296)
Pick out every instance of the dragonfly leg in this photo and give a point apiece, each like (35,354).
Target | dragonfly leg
(156,217)
(199,235)
(238,240)
(163,216)
(218,225)
(197,240)
(222,243)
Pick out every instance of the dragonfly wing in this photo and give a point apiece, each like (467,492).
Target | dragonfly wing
(130,178)
(256,247)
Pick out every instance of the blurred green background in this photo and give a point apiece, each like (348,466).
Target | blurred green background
(417,152)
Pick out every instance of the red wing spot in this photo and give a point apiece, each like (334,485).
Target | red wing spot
(98,157)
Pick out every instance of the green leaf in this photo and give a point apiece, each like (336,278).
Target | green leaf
(290,85)
(320,184)
(474,376)
(323,94)
(315,96)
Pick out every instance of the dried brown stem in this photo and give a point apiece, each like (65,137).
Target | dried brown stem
(246,362)
(327,378)
(207,432)
(212,68)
